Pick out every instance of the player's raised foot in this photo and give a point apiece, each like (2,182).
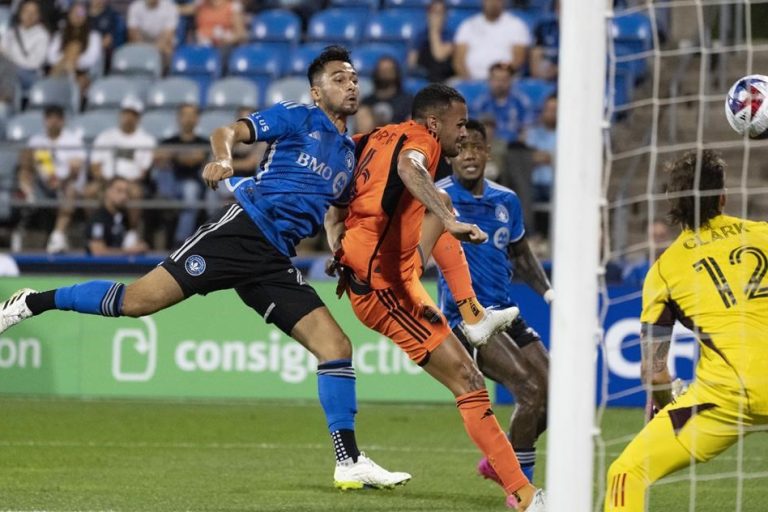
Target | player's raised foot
(366,474)
(15,309)
(538,502)
(486,471)
(494,320)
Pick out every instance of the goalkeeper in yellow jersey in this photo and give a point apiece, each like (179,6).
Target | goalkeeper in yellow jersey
(712,280)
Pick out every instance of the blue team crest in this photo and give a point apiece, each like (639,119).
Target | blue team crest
(501,238)
(502,215)
(194,265)
(340,183)
(350,160)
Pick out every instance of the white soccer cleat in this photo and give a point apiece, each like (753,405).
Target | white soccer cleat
(15,309)
(57,243)
(495,320)
(366,474)
(537,504)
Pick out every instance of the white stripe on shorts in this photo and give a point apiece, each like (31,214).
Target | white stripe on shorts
(204,230)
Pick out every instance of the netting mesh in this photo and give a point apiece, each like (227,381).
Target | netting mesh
(670,64)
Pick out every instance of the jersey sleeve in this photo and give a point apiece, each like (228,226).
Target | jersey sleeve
(657,308)
(426,145)
(275,122)
(516,222)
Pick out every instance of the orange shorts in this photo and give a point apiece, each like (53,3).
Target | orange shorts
(404,313)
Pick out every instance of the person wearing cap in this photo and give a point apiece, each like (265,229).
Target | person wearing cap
(125,150)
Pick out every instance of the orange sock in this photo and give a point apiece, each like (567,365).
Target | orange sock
(449,256)
(486,433)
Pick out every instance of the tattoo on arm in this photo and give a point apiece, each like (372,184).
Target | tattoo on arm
(528,266)
(656,340)
(413,171)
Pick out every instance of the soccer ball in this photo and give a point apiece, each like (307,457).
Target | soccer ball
(746,106)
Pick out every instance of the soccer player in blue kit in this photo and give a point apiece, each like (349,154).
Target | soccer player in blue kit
(515,358)
(307,168)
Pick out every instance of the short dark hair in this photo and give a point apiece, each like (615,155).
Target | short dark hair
(503,66)
(434,98)
(682,180)
(475,125)
(53,110)
(329,54)
(113,180)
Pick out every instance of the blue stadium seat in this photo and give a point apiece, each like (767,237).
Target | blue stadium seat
(301,56)
(336,26)
(408,4)
(537,91)
(291,88)
(633,34)
(394,27)
(231,93)
(530,17)
(212,119)
(137,59)
(60,91)
(200,63)
(159,123)
(109,91)
(257,60)
(454,18)
(413,84)
(471,89)
(365,6)
(276,25)
(21,126)
(365,57)
(92,123)
(171,92)
(475,5)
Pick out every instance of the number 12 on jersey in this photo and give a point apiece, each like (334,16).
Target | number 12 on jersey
(753,290)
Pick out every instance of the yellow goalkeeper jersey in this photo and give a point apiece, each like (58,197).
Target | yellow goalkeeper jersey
(714,282)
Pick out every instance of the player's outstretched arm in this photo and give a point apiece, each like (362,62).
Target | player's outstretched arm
(222,141)
(528,266)
(334,226)
(654,372)
(412,169)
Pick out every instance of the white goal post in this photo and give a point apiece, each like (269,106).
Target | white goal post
(575,263)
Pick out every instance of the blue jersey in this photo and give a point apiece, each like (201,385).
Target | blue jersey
(307,167)
(498,213)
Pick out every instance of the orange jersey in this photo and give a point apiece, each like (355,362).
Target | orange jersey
(383,227)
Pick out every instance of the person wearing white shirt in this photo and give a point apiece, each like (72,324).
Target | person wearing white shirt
(26,43)
(489,37)
(76,49)
(153,21)
(53,167)
(126,151)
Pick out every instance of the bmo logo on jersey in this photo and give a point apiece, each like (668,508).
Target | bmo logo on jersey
(316,166)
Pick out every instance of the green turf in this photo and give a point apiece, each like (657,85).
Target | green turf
(268,456)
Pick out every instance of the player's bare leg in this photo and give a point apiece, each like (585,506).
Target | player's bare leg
(151,293)
(451,365)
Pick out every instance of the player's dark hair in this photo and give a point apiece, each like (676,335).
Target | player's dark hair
(475,125)
(682,184)
(434,99)
(329,54)
(53,110)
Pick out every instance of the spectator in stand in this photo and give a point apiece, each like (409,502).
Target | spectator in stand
(179,170)
(106,21)
(432,53)
(488,37)
(510,109)
(75,49)
(661,236)
(154,22)
(126,151)
(542,138)
(388,103)
(218,22)
(106,231)
(547,44)
(53,167)
(25,43)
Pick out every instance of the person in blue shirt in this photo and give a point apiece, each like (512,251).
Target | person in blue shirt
(507,107)
(517,357)
(308,167)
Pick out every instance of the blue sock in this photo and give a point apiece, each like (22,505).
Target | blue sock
(527,459)
(336,388)
(103,298)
